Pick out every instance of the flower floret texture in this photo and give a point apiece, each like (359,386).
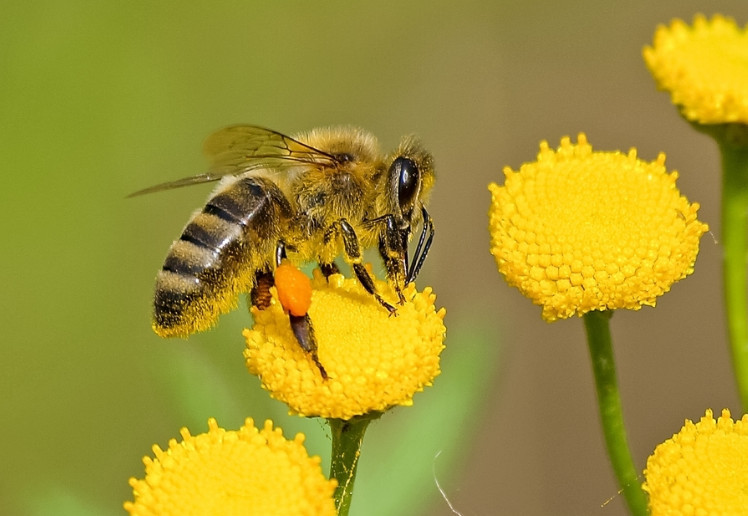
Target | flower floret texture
(246,472)
(579,230)
(702,469)
(704,66)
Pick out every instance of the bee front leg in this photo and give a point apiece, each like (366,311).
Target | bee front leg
(352,251)
(393,248)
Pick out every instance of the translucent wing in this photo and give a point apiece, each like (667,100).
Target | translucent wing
(240,148)
(235,148)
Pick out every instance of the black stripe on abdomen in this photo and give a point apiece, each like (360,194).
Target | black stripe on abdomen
(241,201)
(222,213)
(197,234)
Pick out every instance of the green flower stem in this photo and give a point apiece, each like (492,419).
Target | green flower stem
(735,257)
(611,415)
(347,437)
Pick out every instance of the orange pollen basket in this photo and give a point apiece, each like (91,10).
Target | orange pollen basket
(294,289)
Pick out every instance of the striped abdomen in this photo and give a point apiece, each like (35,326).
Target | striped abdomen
(216,256)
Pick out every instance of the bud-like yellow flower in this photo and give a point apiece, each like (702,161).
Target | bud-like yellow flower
(579,230)
(245,472)
(703,469)
(704,67)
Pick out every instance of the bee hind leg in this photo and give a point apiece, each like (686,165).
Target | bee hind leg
(301,325)
(260,295)
(304,333)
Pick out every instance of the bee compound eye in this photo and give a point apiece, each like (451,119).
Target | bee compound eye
(409,178)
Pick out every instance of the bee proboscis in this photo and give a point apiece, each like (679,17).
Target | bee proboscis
(309,198)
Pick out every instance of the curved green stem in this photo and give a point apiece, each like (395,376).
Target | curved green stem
(735,257)
(347,437)
(611,415)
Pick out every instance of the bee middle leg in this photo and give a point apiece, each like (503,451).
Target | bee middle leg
(352,251)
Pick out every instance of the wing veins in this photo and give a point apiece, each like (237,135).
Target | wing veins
(242,148)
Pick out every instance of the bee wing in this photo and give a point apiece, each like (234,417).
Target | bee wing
(241,148)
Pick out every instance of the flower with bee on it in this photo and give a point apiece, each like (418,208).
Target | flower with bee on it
(373,361)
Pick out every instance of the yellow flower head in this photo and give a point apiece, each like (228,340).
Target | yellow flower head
(247,472)
(373,360)
(704,67)
(701,470)
(578,230)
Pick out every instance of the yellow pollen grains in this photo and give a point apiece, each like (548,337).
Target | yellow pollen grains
(579,230)
(245,472)
(373,360)
(701,470)
(704,67)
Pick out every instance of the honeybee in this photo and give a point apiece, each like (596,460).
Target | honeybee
(308,198)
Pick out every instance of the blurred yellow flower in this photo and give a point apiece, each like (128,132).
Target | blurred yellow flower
(373,360)
(245,472)
(579,230)
(703,469)
(704,67)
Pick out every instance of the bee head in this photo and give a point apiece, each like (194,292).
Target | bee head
(411,176)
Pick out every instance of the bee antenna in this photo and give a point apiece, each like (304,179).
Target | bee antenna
(422,249)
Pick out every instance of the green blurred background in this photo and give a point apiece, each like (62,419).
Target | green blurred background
(99,99)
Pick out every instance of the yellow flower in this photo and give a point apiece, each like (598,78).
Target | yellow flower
(247,472)
(579,230)
(373,360)
(703,469)
(704,67)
